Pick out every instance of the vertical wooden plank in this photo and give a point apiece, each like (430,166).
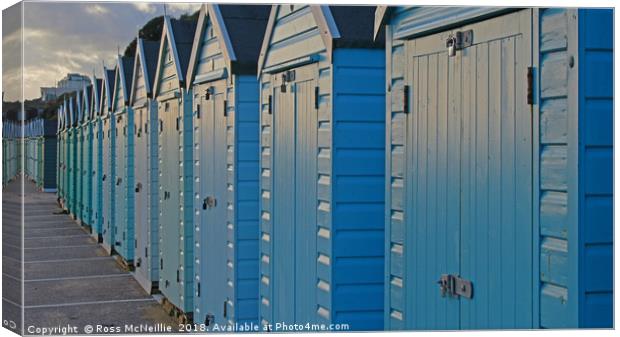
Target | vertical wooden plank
(454,77)
(495,197)
(420,209)
(507,251)
(431,197)
(481,224)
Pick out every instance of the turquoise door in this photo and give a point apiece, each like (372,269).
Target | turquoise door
(120,186)
(469,179)
(142,176)
(96,179)
(169,207)
(107,182)
(293,265)
(210,202)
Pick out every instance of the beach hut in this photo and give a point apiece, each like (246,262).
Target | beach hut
(123,242)
(222,77)
(49,159)
(146,124)
(175,165)
(62,154)
(96,166)
(72,154)
(79,151)
(108,159)
(322,167)
(87,159)
(499,167)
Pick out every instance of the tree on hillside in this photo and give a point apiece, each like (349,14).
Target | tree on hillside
(151,31)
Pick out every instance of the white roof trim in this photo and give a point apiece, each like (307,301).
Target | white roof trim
(206,12)
(331,23)
(168,34)
(140,57)
(324,20)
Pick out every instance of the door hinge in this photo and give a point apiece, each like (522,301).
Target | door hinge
(455,286)
(198,289)
(225,108)
(135,243)
(178,276)
(270,105)
(316,98)
(177,123)
(225,311)
(161,264)
(530,85)
(198,111)
(161,125)
(406,99)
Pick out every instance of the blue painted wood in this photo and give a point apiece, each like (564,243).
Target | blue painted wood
(123,115)
(595,168)
(108,177)
(226,157)
(175,165)
(322,176)
(571,205)
(97,197)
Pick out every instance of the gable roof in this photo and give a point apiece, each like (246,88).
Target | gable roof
(87,97)
(96,92)
(106,87)
(146,56)
(122,77)
(72,111)
(340,27)
(178,34)
(240,29)
(77,106)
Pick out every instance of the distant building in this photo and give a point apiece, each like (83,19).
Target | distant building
(71,82)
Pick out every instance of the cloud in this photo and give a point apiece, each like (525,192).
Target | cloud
(145,7)
(96,9)
(183,7)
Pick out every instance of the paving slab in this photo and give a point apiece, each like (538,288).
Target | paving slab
(11,289)
(61,253)
(74,269)
(79,291)
(58,241)
(11,267)
(52,232)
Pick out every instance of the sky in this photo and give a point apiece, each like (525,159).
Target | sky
(71,37)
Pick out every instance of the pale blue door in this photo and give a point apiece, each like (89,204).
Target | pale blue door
(469,178)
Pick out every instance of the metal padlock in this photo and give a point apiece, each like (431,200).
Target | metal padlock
(451,44)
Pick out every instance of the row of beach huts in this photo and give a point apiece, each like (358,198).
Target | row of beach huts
(381,168)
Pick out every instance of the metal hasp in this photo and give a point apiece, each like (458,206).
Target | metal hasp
(455,286)
(459,40)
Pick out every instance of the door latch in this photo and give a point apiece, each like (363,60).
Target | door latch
(455,286)
(209,202)
(459,41)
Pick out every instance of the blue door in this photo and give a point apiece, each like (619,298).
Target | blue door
(293,239)
(169,208)
(120,186)
(142,178)
(211,201)
(469,178)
